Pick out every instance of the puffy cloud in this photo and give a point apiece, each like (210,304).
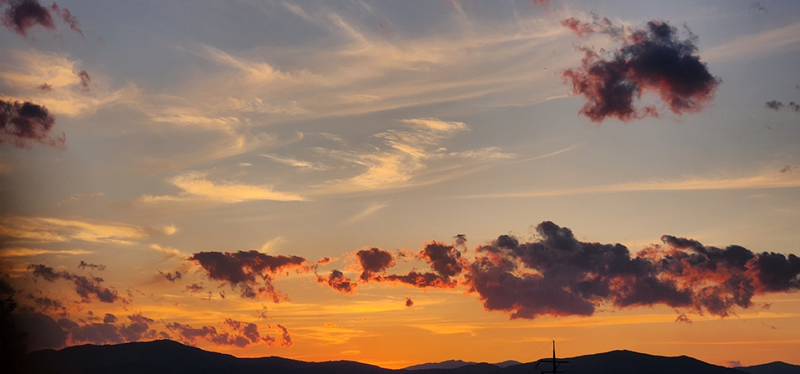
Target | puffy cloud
(653,60)
(86,287)
(443,258)
(22,15)
(241,269)
(374,260)
(24,122)
(338,282)
(559,275)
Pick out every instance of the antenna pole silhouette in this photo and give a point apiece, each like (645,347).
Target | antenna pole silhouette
(554,361)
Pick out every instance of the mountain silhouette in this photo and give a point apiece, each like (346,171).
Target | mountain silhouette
(165,356)
(776,367)
(453,364)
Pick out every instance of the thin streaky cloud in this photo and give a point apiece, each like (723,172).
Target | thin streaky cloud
(291,161)
(778,40)
(195,186)
(761,181)
(365,213)
(30,252)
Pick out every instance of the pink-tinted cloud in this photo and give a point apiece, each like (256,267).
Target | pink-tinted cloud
(559,275)
(652,60)
(68,18)
(338,282)
(85,80)
(374,261)
(22,15)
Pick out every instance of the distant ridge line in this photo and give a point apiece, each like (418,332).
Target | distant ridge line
(166,356)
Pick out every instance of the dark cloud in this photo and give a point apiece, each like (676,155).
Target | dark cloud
(25,122)
(22,15)
(136,328)
(683,318)
(284,341)
(242,269)
(194,288)
(170,276)
(409,302)
(110,318)
(241,335)
(774,105)
(44,87)
(373,261)
(443,258)
(86,287)
(5,288)
(338,282)
(559,275)
(84,265)
(42,331)
(419,280)
(777,106)
(324,261)
(461,240)
(652,60)
(85,80)
(68,18)
(758,7)
(47,304)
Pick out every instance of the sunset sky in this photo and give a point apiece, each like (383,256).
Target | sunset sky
(400,182)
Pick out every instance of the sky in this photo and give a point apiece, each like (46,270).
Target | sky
(404,182)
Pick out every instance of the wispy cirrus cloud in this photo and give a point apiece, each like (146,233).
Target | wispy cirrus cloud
(402,155)
(291,161)
(768,180)
(46,229)
(195,186)
(780,39)
(25,72)
(30,252)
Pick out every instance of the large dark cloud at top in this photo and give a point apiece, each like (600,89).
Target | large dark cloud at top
(559,275)
(22,123)
(653,59)
(243,269)
(22,15)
